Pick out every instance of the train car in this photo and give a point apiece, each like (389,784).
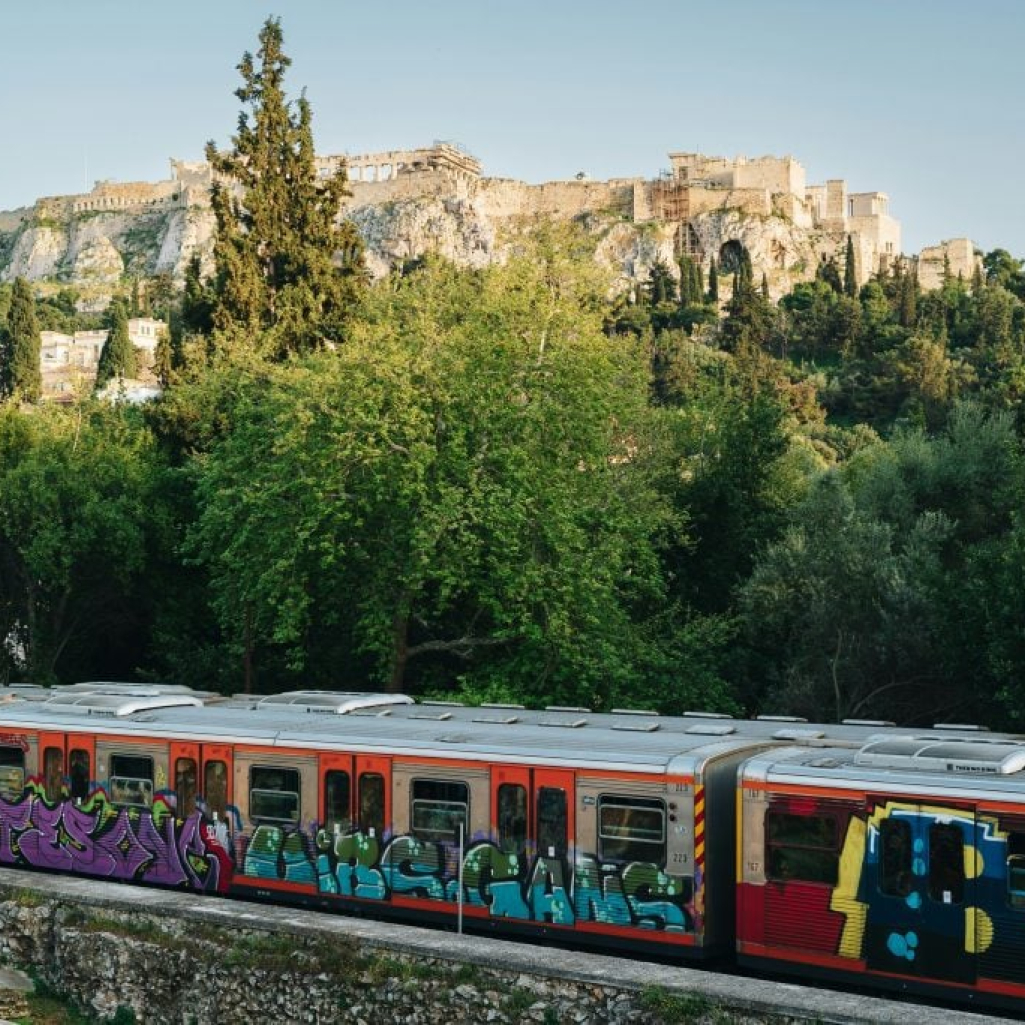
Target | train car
(900,863)
(610,829)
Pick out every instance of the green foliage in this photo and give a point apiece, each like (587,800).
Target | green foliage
(77,514)
(287,274)
(117,358)
(673,1008)
(20,373)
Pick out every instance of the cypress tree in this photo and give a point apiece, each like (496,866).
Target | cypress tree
(850,281)
(713,282)
(23,378)
(765,286)
(697,285)
(117,358)
(286,272)
(686,281)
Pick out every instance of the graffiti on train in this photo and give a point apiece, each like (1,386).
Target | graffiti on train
(98,838)
(509,885)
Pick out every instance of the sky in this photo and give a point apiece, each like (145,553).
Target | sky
(921,99)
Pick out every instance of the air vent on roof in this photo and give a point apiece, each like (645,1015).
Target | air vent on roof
(637,727)
(571,723)
(798,735)
(711,729)
(866,722)
(441,717)
(372,713)
(498,720)
(446,704)
(961,726)
(780,718)
(499,704)
(566,708)
(633,711)
(454,738)
(824,763)
(998,757)
(707,715)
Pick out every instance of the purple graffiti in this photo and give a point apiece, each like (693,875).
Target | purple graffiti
(119,843)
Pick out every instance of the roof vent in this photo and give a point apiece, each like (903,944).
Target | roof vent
(440,717)
(780,718)
(572,724)
(707,715)
(496,720)
(866,722)
(566,708)
(633,711)
(446,704)
(711,729)
(499,704)
(637,727)
(951,754)
(961,726)
(798,735)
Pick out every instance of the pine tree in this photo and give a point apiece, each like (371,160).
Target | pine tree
(287,275)
(713,282)
(117,358)
(850,279)
(23,376)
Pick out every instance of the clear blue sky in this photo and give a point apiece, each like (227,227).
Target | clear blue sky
(922,99)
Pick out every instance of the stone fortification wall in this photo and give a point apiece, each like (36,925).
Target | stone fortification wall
(751,201)
(957,254)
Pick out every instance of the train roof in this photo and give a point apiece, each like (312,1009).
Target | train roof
(624,739)
(901,761)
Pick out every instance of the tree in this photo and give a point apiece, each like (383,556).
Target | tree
(22,376)
(458,492)
(713,282)
(287,273)
(117,358)
(850,278)
(77,520)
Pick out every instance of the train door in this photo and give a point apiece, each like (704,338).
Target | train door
(922,913)
(184,766)
(337,795)
(52,765)
(373,812)
(532,826)
(215,787)
(81,766)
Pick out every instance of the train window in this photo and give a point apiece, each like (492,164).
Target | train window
(631,829)
(552,827)
(12,771)
(336,801)
(512,817)
(215,789)
(801,848)
(895,857)
(1016,870)
(131,780)
(53,773)
(274,794)
(371,803)
(80,773)
(946,863)
(438,808)
(185,786)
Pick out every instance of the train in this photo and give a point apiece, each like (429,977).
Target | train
(854,852)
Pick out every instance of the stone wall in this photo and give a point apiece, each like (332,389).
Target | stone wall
(170,957)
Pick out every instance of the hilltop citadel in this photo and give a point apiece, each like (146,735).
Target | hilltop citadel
(408,202)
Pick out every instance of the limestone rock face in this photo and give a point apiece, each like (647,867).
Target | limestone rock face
(97,260)
(37,253)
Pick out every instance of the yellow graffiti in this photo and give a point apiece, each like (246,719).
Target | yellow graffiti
(845,897)
(974,863)
(978,925)
(978,930)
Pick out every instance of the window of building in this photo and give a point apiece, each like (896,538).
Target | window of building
(371,803)
(631,829)
(552,822)
(801,847)
(438,808)
(53,773)
(895,857)
(215,788)
(274,794)
(79,774)
(185,778)
(336,801)
(946,863)
(131,780)
(512,817)
(12,772)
